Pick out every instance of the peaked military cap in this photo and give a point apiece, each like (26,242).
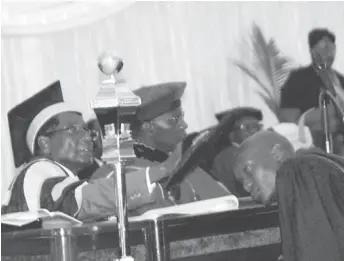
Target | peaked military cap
(159,99)
(238,113)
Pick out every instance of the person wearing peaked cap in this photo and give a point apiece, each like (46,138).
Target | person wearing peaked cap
(158,132)
(160,120)
(50,136)
(243,122)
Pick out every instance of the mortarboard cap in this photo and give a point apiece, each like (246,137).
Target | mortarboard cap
(239,112)
(27,118)
(159,99)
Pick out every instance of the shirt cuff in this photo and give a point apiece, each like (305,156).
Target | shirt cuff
(151,186)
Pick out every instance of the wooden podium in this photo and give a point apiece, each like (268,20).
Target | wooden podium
(250,233)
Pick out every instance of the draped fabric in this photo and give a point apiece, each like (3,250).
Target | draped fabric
(159,41)
(40,17)
(310,191)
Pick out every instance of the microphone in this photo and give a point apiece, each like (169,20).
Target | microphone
(324,71)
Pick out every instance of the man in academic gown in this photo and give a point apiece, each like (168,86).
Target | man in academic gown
(51,130)
(251,167)
(256,162)
(310,193)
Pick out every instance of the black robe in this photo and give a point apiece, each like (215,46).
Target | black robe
(310,192)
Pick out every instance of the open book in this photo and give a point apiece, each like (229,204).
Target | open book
(203,207)
(49,219)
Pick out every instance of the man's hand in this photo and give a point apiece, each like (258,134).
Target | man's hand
(167,167)
(290,114)
(313,119)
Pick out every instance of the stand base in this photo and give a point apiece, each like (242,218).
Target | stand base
(125,258)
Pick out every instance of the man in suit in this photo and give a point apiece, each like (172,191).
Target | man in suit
(56,135)
(300,94)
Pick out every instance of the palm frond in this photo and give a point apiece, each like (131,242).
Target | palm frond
(270,69)
(261,51)
(272,104)
(253,75)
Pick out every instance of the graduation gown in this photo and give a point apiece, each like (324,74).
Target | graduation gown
(44,183)
(310,193)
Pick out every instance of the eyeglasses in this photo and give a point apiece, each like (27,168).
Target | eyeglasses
(75,129)
(178,118)
(249,127)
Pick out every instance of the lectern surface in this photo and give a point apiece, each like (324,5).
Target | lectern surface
(96,241)
(241,234)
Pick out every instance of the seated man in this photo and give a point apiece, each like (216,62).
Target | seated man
(158,131)
(56,134)
(256,162)
(245,122)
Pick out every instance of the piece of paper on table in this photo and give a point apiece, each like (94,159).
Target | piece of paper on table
(20,219)
(203,207)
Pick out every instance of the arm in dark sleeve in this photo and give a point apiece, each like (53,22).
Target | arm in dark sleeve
(46,185)
(222,169)
(291,102)
(290,93)
(98,198)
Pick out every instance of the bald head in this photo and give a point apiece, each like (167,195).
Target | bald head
(257,161)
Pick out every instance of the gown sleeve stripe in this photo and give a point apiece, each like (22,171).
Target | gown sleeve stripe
(57,190)
(35,176)
(66,202)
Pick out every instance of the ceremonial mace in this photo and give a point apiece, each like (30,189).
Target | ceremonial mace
(115,106)
(325,97)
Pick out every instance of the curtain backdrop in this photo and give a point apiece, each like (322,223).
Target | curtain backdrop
(159,41)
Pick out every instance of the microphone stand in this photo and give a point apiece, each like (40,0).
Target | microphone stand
(323,103)
(327,96)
